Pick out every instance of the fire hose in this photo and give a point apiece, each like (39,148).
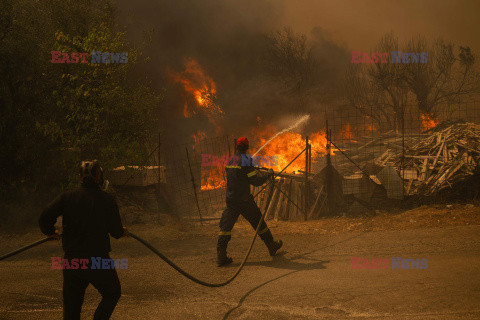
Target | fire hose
(171,263)
(36,243)
(164,258)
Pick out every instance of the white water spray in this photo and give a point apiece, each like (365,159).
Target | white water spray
(300,121)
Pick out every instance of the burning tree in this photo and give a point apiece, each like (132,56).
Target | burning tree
(202,88)
(383,91)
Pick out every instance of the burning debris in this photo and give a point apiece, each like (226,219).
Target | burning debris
(433,161)
(428,121)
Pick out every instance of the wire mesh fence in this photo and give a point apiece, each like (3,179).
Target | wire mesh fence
(417,154)
(195,176)
(375,160)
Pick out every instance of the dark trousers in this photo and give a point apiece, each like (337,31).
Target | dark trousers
(250,211)
(76,281)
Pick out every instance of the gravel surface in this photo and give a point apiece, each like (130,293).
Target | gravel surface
(312,278)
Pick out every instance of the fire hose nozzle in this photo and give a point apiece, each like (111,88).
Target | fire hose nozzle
(268,170)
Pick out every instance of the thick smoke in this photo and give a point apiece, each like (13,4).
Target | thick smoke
(230,40)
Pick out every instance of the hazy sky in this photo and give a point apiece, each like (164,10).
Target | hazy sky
(360,23)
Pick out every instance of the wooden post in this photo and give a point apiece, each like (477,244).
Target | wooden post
(286,214)
(301,190)
(298,199)
(283,205)
(273,202)
(268,193)
(310,158)
(306,189)
(281,198)
(159,185)
(194,186)
(159,157)
(328,175)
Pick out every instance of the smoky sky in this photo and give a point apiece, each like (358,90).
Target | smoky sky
(228,39)
(360,23)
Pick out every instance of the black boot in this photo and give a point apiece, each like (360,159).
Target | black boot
(222,258)
(274,246)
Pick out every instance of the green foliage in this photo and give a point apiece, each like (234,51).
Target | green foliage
(54,115)
(101,111)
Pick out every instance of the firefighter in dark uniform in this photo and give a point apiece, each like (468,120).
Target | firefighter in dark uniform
(89,216)
(240,175)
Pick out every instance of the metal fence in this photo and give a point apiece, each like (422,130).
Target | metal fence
(195,176)
(426,154)
(373,164)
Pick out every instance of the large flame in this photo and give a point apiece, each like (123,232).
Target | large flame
(287,146)
(211,177)
(284,149)
(428,121)
(201,87)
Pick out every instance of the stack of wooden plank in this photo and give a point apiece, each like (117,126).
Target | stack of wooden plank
(285,201)
(433,161)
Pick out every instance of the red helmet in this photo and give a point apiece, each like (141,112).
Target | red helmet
(242,142)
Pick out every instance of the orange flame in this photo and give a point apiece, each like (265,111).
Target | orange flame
(428,121)
(287,146)
(186,114)
(213,178)
(281,150)
(371,128)
(201,87)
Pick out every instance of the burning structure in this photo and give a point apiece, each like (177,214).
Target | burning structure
(326,173)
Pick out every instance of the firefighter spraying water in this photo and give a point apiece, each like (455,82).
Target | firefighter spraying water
(240,175)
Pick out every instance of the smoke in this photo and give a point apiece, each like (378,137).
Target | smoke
(231,41)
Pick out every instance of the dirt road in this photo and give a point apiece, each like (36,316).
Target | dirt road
(313,279)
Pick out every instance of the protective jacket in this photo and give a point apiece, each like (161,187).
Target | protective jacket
(89,216)
(240,175)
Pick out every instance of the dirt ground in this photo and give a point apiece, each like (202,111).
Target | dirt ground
(312,278)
